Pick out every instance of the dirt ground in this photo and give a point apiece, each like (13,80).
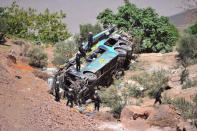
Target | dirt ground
(25,103)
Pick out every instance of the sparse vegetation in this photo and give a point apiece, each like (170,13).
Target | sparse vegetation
(152,82)
(63,51)
(189,84)
(184,106)
(114,100)
(37,57)
(134,91)
(41,75)
(187,108)
(117,99)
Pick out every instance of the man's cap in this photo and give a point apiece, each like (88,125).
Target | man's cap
(90,32)
(57,82)
(70,89)
(96,92)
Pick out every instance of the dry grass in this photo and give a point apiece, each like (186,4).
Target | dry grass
(41,75)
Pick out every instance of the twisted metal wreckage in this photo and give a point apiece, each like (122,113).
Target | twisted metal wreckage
(111,54)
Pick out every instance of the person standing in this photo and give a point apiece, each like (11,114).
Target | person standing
(158,96)
(70,97)
(81,50)
(97,101)
(78,64)
(90,41)
(57,97)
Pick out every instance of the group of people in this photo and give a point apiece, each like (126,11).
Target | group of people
(82,51)
(69,94)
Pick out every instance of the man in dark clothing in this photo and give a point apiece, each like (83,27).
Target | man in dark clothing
(81,50)
(97,101)
(90,40)
(158,96)
(57,97)
(78,66)
(70,98)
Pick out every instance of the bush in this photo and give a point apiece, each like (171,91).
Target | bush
(158,35)
(187,47)
(37,57)
(64,51)
(112,99)
(193,29)
(133,91)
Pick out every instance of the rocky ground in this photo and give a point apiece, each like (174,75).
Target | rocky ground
(26,105)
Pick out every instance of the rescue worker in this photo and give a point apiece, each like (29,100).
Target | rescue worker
(57,97)
(97,101)
(70,97)
(81,50)
(90,41)
(158,96)
(78,66)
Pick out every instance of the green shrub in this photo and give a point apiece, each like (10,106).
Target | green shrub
(111,98)
(158,35)
(193,29)
(134,91)
(187,48)
(37,57)
(64,51)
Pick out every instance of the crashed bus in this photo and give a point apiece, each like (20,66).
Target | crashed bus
(110,54)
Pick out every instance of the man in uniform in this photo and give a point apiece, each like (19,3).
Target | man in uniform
(70,97)
(97,101)
(90,40)
(78,66)
(57,97)
(81,50)
(158,96)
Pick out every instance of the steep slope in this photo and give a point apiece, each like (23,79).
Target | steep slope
(26,105)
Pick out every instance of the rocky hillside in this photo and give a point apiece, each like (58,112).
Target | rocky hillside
(25,103)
